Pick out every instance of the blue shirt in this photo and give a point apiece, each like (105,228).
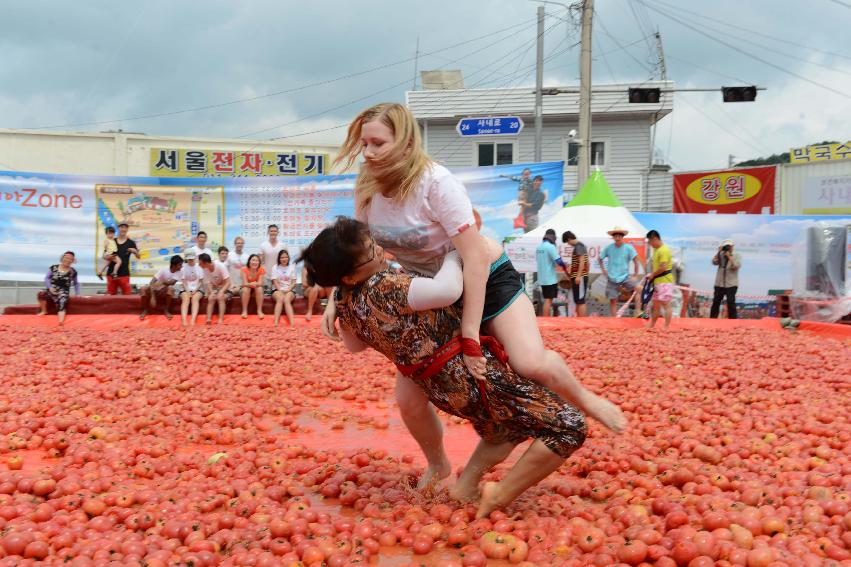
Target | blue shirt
(619,259)
(546,254)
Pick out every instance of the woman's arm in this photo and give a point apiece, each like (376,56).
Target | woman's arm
(444,289)
(75,282)
(474,252)
(48,279)
(351,342)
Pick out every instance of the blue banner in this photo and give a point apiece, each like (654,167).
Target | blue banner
(43,215)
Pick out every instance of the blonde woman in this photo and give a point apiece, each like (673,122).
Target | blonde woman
(418,211)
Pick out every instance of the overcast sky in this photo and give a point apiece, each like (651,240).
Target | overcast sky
(68,64)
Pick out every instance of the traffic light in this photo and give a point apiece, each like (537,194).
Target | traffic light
(644,96)
(739,94)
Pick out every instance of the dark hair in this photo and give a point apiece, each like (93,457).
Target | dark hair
(204,258)
(248,263)
(334,252)
(222,249)
(525,169)
(567,235)
(550,235)
(109,229)
(124,224)
(200,232)
(284,251)
(68,252)
(550,231)
(653,234)
(538,178)
(175,260)
(270,227)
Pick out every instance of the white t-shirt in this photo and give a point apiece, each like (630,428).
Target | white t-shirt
(285,276)
(417,231)
(191,276)
(199,251)
(165,275)
(269,255)
(235,263)
(218,276)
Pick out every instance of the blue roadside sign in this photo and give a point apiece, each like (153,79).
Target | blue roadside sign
(490,126)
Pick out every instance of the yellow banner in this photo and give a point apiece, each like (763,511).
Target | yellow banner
(820,152)
(167,162)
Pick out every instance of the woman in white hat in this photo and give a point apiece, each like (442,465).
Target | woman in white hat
(726,278)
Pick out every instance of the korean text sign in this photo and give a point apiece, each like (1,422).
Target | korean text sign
(740,190)
(171,162)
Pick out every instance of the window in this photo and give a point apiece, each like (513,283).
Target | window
(598,154)
(496,154)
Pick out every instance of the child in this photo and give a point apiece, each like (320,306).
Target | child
(189,287)
(283,282)
(109,255)
(416,322)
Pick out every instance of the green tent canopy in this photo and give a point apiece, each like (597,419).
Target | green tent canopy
(595,192)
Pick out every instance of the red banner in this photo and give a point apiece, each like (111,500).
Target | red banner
(740,190)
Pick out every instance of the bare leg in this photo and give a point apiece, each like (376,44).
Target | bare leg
(169,296)
(654,314)
(613,307)
(245,296)
(581,310)
(143,298)
(517,330)
(211,304)
(184,307)
(288,307)
(666,311)
(61,315)
(311,294)
(548,308)
(42,307)
(637,305)
(196,302)
(423,424)
(485,457)
(258,296)
(222,300)
(536,464)
(279,304)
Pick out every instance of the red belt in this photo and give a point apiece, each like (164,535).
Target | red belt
(436,362)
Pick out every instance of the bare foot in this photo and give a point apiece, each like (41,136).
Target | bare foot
(490,500)
(168,315)
(605,412)
(208,322)
(464,494)
(245,315)
(433,475)
(142,315)
(260,315)
(41,313)
(221,321)
(292,327)
(307,317)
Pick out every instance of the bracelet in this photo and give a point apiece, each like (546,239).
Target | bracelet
(471,347)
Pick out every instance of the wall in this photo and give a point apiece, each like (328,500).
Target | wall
(118,153)
(793,179)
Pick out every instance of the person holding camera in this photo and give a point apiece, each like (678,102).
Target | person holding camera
(726,279)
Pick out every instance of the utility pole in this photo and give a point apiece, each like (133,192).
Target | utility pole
(585,94)
(663,75)
(731,159)
(539,85)
(416,62)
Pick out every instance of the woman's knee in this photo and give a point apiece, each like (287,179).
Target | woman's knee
(409,397)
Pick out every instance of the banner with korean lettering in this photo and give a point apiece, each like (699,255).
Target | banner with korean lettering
(740,190)
(820,152)
(171,162)
(42,215)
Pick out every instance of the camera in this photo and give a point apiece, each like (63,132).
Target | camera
(726,248)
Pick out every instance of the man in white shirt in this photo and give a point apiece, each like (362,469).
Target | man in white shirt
(201,246)
(236,260)
(269,253)
(189,287)
(161,286)
(216,285)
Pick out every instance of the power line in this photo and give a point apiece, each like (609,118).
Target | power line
(841,3)
(727,130)
(618,43)
(752,56)
(525,23)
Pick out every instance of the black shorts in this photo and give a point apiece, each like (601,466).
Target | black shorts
(504,285)
(580,291)
(549,291)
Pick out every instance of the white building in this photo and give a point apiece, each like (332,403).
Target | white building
(621,135)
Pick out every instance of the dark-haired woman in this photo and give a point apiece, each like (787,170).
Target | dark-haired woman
(405,319)
(283,281)
(58,282)
(252,283)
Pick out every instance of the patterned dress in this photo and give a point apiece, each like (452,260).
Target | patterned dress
(377,312)
(59,286)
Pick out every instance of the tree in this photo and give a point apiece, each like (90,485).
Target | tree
(774,158)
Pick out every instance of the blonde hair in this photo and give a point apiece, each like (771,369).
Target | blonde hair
(397,172)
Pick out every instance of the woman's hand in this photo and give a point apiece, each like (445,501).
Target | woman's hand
(329,319)
(477,365)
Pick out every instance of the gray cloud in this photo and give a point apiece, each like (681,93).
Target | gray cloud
(66,63)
